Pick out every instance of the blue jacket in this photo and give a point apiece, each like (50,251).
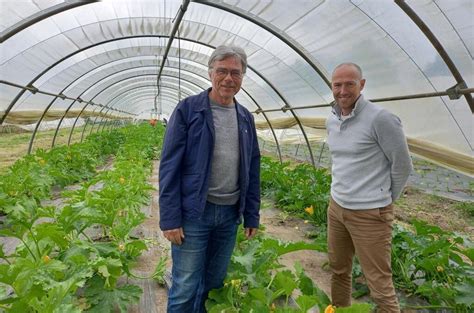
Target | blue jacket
(185,165)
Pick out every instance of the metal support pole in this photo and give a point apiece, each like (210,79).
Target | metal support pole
(437,45)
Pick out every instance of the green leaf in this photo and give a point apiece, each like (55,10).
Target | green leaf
(104,300)
(110,269)
(261,294)
(465,293)
(222,308)
(469,252)
(305,284)
(356,308)
(306,302)
(51,233)
(285,247)
(285,281)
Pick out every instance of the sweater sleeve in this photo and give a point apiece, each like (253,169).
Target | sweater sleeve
(392,140)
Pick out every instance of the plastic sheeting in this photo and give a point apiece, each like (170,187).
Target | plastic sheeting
(110,52)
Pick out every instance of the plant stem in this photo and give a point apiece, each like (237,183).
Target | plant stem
(85,235)
(29,250)
(36,242)
(7,261)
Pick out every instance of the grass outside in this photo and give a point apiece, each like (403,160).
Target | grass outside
(14,146)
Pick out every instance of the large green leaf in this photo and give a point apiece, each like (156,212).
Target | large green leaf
(104,300)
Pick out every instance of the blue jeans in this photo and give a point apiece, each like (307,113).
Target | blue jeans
(200,263)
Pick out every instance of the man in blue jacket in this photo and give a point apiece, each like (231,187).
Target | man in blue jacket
(209,179)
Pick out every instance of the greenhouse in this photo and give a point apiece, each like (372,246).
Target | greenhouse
(87,89)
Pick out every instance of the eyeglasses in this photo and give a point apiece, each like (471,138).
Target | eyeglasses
(223,72)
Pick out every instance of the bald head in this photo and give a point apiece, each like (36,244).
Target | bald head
(346,85)
(350,65)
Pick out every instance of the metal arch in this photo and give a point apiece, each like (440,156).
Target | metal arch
(107,41)
(70,106)
(41,15)
(146,75)
(278,34)
(179,17)
(166,96)
(288,107)
(270,125)
(258,106)
(438,46)
(78,78)
(111,107)
(135,94)
(80,113)
(33,135)
(194,73)
(249,95)
(139,87)
(106,106)
(18,96)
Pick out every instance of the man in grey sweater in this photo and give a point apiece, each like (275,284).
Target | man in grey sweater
(370,167)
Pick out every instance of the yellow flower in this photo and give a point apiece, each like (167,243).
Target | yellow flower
(330,309)
(46,259)
(310,210)
(122,180)
(235,283)
(42,162)
(121,247)
(272,307)
(439,268)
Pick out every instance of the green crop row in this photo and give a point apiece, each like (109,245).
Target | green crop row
(60,264)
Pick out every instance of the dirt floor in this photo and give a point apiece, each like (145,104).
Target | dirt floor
(450,215)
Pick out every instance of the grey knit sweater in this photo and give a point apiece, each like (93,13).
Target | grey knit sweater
(370,159)
(224,180)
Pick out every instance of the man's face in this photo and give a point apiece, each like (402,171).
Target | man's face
(346,86)
(226,78)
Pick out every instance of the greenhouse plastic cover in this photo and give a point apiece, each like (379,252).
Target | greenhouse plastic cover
(110,52)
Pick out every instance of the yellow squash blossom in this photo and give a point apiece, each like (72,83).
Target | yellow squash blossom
(330,309)
(310,210)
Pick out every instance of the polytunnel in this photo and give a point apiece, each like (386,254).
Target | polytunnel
(64,61)
(83,85)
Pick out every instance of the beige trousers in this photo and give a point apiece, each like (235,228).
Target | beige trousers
(368,234)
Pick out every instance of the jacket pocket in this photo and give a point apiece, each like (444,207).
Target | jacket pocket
(190,191)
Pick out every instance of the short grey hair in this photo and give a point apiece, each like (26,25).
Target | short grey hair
(224,52)
(357,67)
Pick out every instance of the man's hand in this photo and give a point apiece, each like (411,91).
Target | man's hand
(250,232)
(176,235)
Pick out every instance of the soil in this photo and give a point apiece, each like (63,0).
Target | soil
(446,213)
